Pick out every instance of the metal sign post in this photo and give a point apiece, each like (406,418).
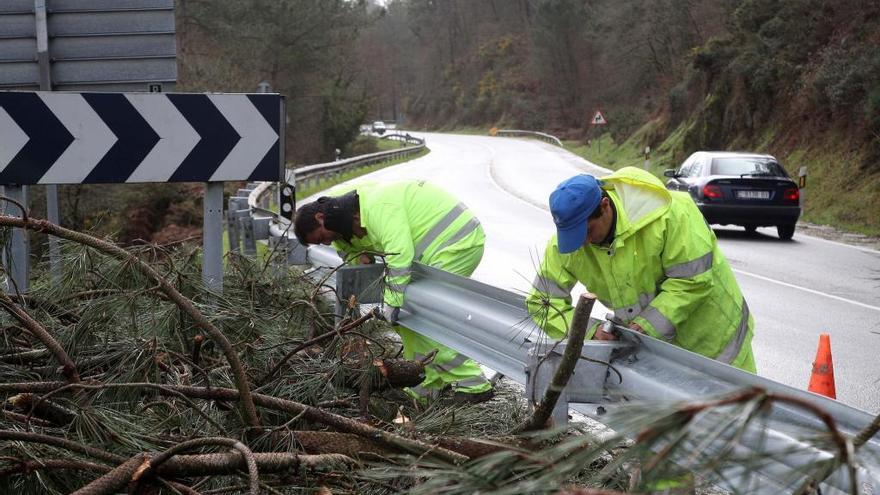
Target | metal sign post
(91,138)
(802,185)
(212,237)
(598,120)
(42,32)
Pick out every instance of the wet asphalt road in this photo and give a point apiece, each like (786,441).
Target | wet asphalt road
(795,290)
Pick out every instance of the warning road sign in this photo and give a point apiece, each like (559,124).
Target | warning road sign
(598,119)
(88,138)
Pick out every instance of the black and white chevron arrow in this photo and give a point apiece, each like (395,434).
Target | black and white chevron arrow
(87,138)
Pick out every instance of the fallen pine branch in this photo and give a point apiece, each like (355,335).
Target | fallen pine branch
(241,381)
(310,413)
(320,338)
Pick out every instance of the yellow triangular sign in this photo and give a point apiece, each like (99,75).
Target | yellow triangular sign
(598,119)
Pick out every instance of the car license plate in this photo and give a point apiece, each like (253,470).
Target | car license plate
(753,194)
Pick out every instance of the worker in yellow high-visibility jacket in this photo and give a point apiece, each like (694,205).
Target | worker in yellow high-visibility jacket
(408,221)
(648,254)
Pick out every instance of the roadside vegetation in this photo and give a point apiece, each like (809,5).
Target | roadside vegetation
(799,80)
(833,196)
(129,375)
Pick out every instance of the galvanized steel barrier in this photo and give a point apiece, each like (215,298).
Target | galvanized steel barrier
(311,174)
(249,213)
(492,326)
(538,135)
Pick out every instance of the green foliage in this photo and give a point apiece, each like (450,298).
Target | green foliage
(304,49)
(362,145)
(846,79)
(343,115)
(714,55)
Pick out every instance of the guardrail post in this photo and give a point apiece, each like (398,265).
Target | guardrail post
(802,185)
(261,227)
(237,209)
(246,224)
(364,282)
(297,254)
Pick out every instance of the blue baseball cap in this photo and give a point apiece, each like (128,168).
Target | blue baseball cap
(571,204)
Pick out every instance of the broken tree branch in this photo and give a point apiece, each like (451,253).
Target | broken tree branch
(241,382)
(68,368)
(320,338)
(570,358)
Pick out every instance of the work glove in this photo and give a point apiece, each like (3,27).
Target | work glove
(390,314)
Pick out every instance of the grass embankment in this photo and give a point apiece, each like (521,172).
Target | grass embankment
(836,194)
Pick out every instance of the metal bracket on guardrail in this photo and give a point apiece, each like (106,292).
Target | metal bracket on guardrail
(587,383)
(364,282)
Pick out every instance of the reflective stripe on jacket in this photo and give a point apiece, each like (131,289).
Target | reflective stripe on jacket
(663,271)
(410,221)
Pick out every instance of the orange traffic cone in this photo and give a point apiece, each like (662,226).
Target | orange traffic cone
(822,378)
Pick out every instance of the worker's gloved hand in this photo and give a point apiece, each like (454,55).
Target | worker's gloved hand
(390,314)
(637,328)
(605,332)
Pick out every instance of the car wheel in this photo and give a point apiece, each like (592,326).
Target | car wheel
(750,229)
(785,232)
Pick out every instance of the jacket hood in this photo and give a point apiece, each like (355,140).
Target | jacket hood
(642,197)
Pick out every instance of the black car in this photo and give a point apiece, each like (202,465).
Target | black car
(744,189)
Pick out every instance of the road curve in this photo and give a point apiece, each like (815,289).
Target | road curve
(795,290)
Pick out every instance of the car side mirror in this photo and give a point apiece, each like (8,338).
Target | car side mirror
(670,172)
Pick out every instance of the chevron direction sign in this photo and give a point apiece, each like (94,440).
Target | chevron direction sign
(87,138)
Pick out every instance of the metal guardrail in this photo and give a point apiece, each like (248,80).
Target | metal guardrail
(539,135)
(304,176)
(492,326)
(248,212)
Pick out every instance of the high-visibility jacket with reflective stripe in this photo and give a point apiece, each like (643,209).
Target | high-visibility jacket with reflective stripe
(409,221)
(663,271)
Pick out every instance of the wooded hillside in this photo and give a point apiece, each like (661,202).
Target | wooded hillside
(797,78)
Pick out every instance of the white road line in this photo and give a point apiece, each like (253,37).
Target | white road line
(490,174)
(811,291)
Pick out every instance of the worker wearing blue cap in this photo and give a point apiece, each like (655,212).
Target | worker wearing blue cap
(647,254)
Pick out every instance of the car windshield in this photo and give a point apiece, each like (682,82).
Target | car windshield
(747,165)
